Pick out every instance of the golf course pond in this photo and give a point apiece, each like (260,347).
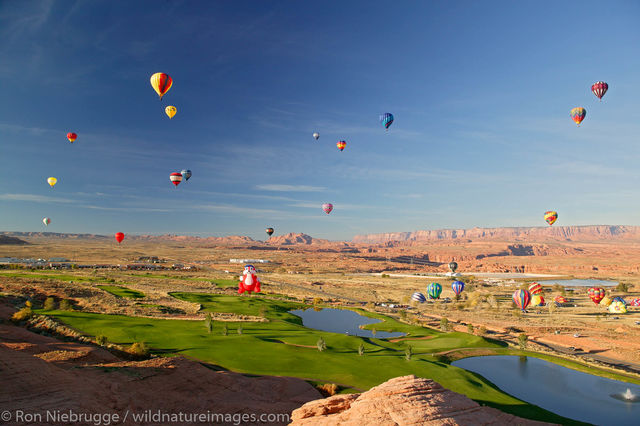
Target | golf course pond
(559,389)
(341,321)
(580,283)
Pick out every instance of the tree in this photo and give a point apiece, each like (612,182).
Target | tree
(65,305)
(408,352)
(321,344)
(522,341)
(50,304)
(361,349)
(444,324)
(208,322)
(470,328)
(482,330)
(225,330)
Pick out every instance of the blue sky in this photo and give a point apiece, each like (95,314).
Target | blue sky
(480,91)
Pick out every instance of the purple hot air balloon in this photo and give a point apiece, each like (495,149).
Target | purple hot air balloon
(457,287)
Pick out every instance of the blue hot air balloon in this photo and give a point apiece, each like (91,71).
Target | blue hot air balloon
(186,174)
(457,287)
(418,297)
(386,119)
(434,290)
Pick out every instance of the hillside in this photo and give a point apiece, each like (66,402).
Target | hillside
(7,240)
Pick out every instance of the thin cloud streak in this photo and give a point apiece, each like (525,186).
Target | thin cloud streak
(290,188)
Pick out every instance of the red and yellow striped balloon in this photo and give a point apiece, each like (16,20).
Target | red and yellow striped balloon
(596,294)
(161,83)
(341,145)
(535,288)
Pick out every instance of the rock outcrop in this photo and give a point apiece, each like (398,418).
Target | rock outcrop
(407,400)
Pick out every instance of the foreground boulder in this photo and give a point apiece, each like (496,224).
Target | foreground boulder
(407,400)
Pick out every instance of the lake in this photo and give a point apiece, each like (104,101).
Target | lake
(580,283)
(564,391)
(341,321)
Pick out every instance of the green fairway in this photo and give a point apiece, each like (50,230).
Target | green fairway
(225,283)
(122,291)
(51,275)
(282,346)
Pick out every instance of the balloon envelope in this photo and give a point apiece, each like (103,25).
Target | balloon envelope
(453,266)
(186,174)
(316,135)
(119,237)
(72,136)
(578,114)
(535,288)
(596,294)
(341,145)
(550,217)
(457,287)
(52,181)
(46,221)
(537,300)
(599,88)
(522,298)
(617,307)
(161,83)
(175,178)
(418,297)
(170,111)
(434,290)
(327,207)
(386,119)
(269,231)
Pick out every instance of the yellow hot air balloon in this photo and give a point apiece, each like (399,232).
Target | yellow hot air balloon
(52,181)
(161,83)
(171,111)
(606,301)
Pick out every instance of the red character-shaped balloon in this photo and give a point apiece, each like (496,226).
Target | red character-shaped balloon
(249,281)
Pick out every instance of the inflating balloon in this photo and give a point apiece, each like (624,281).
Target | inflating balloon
(52,181)
(535,288)
(606,301)
(537,300)
(386,119)
(249,281)
(175,178)
(619,299)
(617,307)
(72,136)
(161,83)
(341,145)
(269,231)
(46,221)
(578,114)
(522,298)
(599,88)
(418,297)
(119,237)
(596,294)
(560,300)
(316,135)
(434,290)
(457,287)
(170,111)
(186,174)
(550,217)
(634,302)
(453,266)
(327,207)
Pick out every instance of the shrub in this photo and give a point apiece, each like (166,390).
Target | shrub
(225,330)
(317,300)
(239,330)
(101,339)
(384,275)
(321,344)
(65,305)
(361,349)
(623,287)
(444,324)
(22,315)
(403,314)
(49,304)
(373,332)
(139,349)
(328,389)
(522,341)
(208,322)
(470,328)
(482,330)
(28,304)
(408,352)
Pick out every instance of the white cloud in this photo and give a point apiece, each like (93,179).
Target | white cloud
(290,188)
(35,198)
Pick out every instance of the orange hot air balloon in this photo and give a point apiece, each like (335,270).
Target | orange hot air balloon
(119,237)
(72,137)
(161,83)
(550,217)
(578,114)
(341,145)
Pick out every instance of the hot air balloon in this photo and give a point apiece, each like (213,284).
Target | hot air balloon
(606,301)
(186,174)
(175,178)
(596,294)
(119,237)
(457,287)
(386,119)
(617,307)
(453,266)
(72,136)
(634,302)
(161,83)
(550,217)
(46,221)
(341,145)
(52,181)
(434,290)
(269,231)
(577,114)
(535,288)
(619,299)
(521,298)
(327,207)
(560,300)
(537,300)
(249,280)
(418,297)
(316,135)
(170,111)
(599,88)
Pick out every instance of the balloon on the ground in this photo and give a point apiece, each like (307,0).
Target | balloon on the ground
(161,83)
(175,178)
(578,114)
(453,266)
(341,145)
(327,207)
(418,297)
(537,300)
(249,281)
(619,299)
(599,88)
(119,237)
(561,299)
(46,221)
(596,294)
(457,287)
(606,301)
(535,288)
(186,174)
(617,307)
(316,135)
(550,217)
(434,290)
(522,298)
(269,231)
(634,302)
(52,181)
(170,111)
(386,119)
(72,136)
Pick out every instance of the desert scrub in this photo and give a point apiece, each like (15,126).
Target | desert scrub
(321,344)
(623,287)
(208,322)
(408,353)
(22,315)
(65,305)
(139,349)
(327,389)
(361,349)
(470,328)
(444,324)
(49,304)
(522,341)
(101,339)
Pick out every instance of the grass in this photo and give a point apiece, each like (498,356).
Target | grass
(52,276)
(284,347)
(122,291)
(225,283)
